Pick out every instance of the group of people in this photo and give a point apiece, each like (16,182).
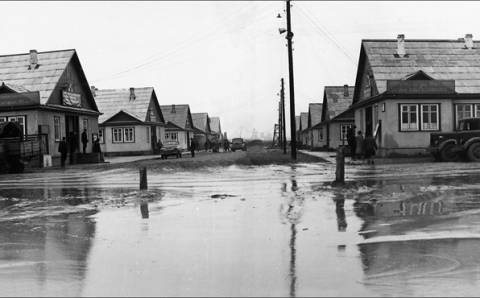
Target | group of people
(361,147)
(70,146)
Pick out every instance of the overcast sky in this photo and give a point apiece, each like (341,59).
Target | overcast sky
(224,58)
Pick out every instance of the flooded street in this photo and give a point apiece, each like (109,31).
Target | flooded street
(277,230)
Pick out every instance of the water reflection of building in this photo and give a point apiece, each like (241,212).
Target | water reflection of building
(47,252)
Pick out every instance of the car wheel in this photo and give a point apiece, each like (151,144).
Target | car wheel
(473,152)
(233,150)
(448,154)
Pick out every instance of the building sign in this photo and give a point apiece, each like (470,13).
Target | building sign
(71,99)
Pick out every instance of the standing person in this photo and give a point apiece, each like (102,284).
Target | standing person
(84,140)
(370,147)
(62,148)
(359,145)
(351,141)
(192,147)
(96,145)
(72,146)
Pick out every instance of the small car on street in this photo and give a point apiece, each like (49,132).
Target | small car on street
(170,149)
(238,144)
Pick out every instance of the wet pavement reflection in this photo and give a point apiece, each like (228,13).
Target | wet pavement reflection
(393,230)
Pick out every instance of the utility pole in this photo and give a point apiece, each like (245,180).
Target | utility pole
(280,135)
(283,132)
(290,84)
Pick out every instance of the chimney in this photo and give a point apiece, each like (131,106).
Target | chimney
(469,41)
(33,59)
(401,45)
(345,90)
(132,93)
(93,89)
(173,109)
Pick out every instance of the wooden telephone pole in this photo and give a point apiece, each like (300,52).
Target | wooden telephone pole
(283,127)
(290,85)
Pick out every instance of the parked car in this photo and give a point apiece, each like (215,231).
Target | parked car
(170,149)
(238,144)
(451,146)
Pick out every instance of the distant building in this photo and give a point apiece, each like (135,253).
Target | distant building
(407,89)
(179,125)
(202,131)
(216,128)
(297,130)
(304,133)
(47,93)
(331,132)
(314,117)
(132,122)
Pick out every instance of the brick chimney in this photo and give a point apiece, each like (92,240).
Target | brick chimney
(33,59)
(345,90)
(469,41)
(173,109)
(132,93)
(93,89)
(401,45)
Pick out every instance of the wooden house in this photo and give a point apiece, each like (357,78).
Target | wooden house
(304,133)
(331,132)
(47,94)
(297,130)
(202,131)
(179,125)
(407,89)
(216,128)
(132,122)
(314,117)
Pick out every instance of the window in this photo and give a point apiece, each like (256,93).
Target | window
(3,119)
(129,135)
(100,136)
(343,131)
(463,111)
(117,135)
(430,117)
(148,134)
(408,117)
(85,124)
(171,136)
(56,128)
(21,122)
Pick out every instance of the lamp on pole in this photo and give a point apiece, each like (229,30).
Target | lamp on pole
(289,38)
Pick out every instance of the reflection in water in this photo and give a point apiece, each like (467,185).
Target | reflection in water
(144,209)
(339,209)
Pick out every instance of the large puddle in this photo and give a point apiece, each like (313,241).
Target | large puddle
(404,230)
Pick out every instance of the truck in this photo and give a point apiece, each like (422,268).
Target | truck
(453,146)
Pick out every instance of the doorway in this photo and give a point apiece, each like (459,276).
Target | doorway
(153,135)
(368,121)
(72,126)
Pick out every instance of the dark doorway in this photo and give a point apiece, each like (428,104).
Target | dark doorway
(153,134)
(368,121)
(72,125)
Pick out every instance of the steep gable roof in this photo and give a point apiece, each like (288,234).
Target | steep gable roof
(215,125)
(201,122)
(16,73)
(111,101)
(303,121)
(177,114)
(314,114)
(440,59)
(335,101)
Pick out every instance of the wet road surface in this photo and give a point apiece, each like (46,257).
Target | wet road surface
(393,230)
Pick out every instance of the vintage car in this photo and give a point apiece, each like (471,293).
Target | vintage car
(170,149)
(238,144)
(451,146)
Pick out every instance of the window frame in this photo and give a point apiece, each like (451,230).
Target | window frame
(473,113)
(400,118)
(132,140)
(343,134)
(148,133)
(437,113)
(114,139)
(57,130)
(101,135)
(24,125)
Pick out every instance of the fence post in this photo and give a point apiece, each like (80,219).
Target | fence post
(143,178)
(340,170)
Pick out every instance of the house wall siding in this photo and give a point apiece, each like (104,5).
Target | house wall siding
(315,135)
(335,132)
(140,145)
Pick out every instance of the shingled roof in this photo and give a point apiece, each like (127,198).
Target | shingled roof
(439,59)
(315,111)
(112,101)
(303,121)
(215,125)
(177,114)
(200,121)
(16,74)
(335,102)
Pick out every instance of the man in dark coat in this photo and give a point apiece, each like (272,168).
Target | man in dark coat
(369,147)
(62,148)
(84,140)
(192,147)
(351,141)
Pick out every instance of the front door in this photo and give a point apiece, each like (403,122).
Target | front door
(153,135)
(72,126)
(368,121)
